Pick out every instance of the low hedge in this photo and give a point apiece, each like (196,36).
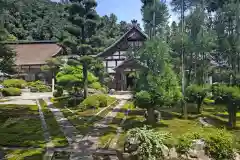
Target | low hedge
(96,101)
(11,91)
(15,83)
(218,143)
(38,86)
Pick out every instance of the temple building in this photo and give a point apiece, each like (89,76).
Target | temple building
(117,60)
(31,56)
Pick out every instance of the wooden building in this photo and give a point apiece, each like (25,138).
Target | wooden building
(31,56)
(117,60)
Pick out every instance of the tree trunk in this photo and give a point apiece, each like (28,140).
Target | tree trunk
(150,117)
(230,115)
(199,108)
(85,80)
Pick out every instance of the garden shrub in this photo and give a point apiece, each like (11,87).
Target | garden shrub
(142,99)
(144,144)
(196,94)
(73,101)
(90,102)
(11,91)
(39,86)
(95,85)
(219,145)
(185,142)
(96,101)
(103,100)
(15,83)
(58,92)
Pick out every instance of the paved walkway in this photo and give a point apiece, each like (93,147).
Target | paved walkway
(90,141)
(81,146)
(27,98)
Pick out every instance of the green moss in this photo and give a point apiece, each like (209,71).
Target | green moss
(20,126)
(32,154)
(58,138)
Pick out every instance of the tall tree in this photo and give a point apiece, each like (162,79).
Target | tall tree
(7,55)
(84,20)
(155,16)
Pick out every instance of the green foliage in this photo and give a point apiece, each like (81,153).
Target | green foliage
(7,56)
(161,15)
(15,83)
(185,142)
(148,144)
(11,91)
(195,93)
(95,101)
(219,145)
(71,76)
(39,86)
(95,85)
(34,19)
(103,100)
(143,99)
(158,78)
(223,94)
(58,92)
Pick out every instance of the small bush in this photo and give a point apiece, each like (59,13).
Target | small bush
(39,86)
(219,145)
(95,85)
(143,99)
(90,102)
(73,101)
(103,100)
(15,83)
(185,142)
(58,92)
(11,91)
(96,101)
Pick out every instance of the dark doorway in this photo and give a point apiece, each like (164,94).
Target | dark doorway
(130,81)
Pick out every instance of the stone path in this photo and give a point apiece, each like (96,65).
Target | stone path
(80,146)
(90,141)
(66,127)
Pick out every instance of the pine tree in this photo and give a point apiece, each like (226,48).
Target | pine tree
(84,20)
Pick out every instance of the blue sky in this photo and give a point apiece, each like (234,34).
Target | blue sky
(125,10)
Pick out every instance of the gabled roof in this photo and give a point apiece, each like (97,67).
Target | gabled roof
(34,53)
(130,63)
(110,48)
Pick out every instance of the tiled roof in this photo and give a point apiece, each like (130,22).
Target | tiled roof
(109,51)
(34,53)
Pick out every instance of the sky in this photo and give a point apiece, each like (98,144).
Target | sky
(126,10)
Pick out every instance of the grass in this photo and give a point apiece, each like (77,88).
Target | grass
(20,126)
(58,138)
(173,123)
(32,154)
(84,120)
(106,139)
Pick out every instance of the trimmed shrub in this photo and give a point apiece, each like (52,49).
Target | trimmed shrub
(103,100)
(90,102)
(15,83)
(185,142)
(219,145)
(39,86)
(96,101)
(58,92)
(95,85)
(74,101)
(11,91)
(142,99)
(196,94)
